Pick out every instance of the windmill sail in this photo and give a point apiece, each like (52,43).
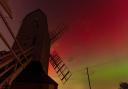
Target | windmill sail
(6,7)
(55,35)
(59,66)
(10,68)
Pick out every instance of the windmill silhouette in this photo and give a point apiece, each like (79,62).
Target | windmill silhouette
(31,49)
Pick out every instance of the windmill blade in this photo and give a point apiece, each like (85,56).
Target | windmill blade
(6,7)
(55,35)
(60,67)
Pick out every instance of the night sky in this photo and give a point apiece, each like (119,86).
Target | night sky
(96,37)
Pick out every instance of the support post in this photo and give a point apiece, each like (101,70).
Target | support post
(88,78)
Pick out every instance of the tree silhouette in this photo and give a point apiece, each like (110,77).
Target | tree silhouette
(123,85)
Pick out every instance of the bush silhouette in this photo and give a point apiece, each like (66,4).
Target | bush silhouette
(123,85)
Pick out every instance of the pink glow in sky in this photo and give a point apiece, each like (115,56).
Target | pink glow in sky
(97,35)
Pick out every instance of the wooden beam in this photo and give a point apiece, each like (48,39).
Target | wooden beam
(6,7)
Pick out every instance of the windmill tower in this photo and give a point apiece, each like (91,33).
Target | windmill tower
(27,65)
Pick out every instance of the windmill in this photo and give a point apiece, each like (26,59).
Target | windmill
(59,66)
(32,45)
